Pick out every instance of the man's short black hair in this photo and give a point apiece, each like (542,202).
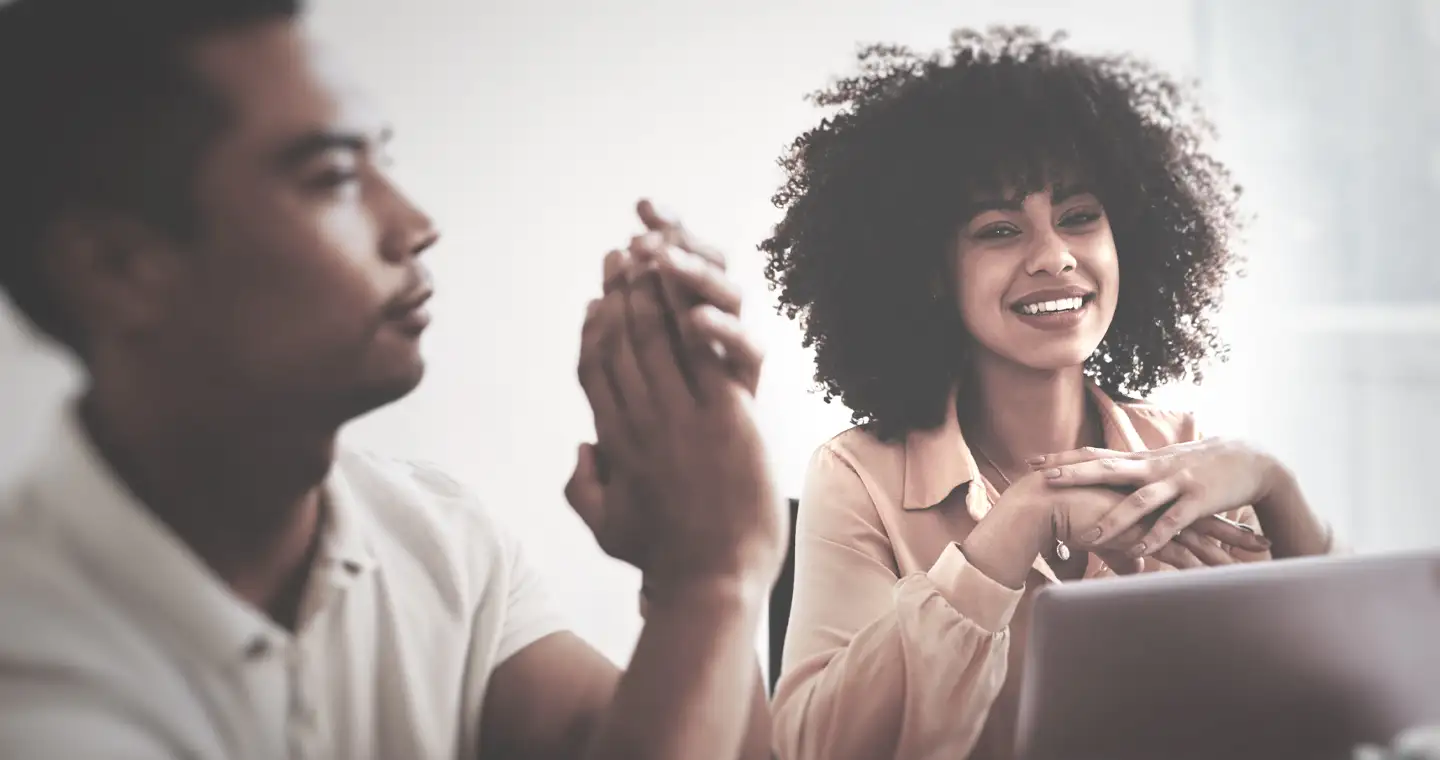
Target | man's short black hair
(101,112)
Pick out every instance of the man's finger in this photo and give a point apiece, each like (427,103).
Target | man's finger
(723,336)
(647,246)
(702,281)
(658,350)
(597,380)
(584,491)
(616,269)
(637,407)
(675,233)
(688,280)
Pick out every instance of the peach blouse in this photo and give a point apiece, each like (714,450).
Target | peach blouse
(897,647)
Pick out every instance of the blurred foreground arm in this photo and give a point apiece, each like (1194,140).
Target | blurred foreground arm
(682,491)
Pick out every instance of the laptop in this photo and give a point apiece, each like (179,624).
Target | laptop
(1303,659)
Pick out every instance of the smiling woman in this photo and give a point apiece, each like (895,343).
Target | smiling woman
(921,145)
(1010,239)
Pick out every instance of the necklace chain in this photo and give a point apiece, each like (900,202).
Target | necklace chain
(1062,552)
(993,466)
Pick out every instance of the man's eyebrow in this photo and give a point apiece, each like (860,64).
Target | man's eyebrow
(311,144)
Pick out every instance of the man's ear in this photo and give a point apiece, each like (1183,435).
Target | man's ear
(116,275)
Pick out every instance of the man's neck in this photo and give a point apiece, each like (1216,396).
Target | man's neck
(1019,412)
(243,493)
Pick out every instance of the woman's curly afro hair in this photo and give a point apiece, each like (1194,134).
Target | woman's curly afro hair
(875,195)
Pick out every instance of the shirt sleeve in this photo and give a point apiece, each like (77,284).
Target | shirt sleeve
(530,615)
(514,610)
(876,665)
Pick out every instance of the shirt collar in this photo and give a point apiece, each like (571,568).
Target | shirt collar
(125,548)
(146,567)
(937,461)
(346,545)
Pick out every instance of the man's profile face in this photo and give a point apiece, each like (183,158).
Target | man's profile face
(303,284)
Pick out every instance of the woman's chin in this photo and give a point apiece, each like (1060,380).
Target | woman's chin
(1054,358)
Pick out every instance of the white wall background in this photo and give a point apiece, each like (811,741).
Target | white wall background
(528,129)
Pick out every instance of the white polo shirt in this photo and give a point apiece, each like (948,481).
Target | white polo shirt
(116,642)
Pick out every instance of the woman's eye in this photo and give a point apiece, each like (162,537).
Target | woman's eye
(997,232)
(1079,218)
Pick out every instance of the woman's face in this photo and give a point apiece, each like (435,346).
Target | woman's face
(1038,278)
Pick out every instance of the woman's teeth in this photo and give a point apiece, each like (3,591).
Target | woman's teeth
(1052,307)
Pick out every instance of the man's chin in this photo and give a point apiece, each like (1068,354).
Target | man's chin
(401,384)
(373,396)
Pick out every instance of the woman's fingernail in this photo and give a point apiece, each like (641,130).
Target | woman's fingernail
(1263,541)
(1092,535)
(1138,550)
(1034,461)
(1052,473)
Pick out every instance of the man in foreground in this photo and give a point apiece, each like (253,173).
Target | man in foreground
(193,199)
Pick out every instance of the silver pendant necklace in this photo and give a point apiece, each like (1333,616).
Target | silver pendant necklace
(1061,550)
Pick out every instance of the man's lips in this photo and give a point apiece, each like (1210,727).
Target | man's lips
(411,303)
(408,313)
(418,289)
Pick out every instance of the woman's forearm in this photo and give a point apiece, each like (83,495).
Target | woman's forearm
(1005,544)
